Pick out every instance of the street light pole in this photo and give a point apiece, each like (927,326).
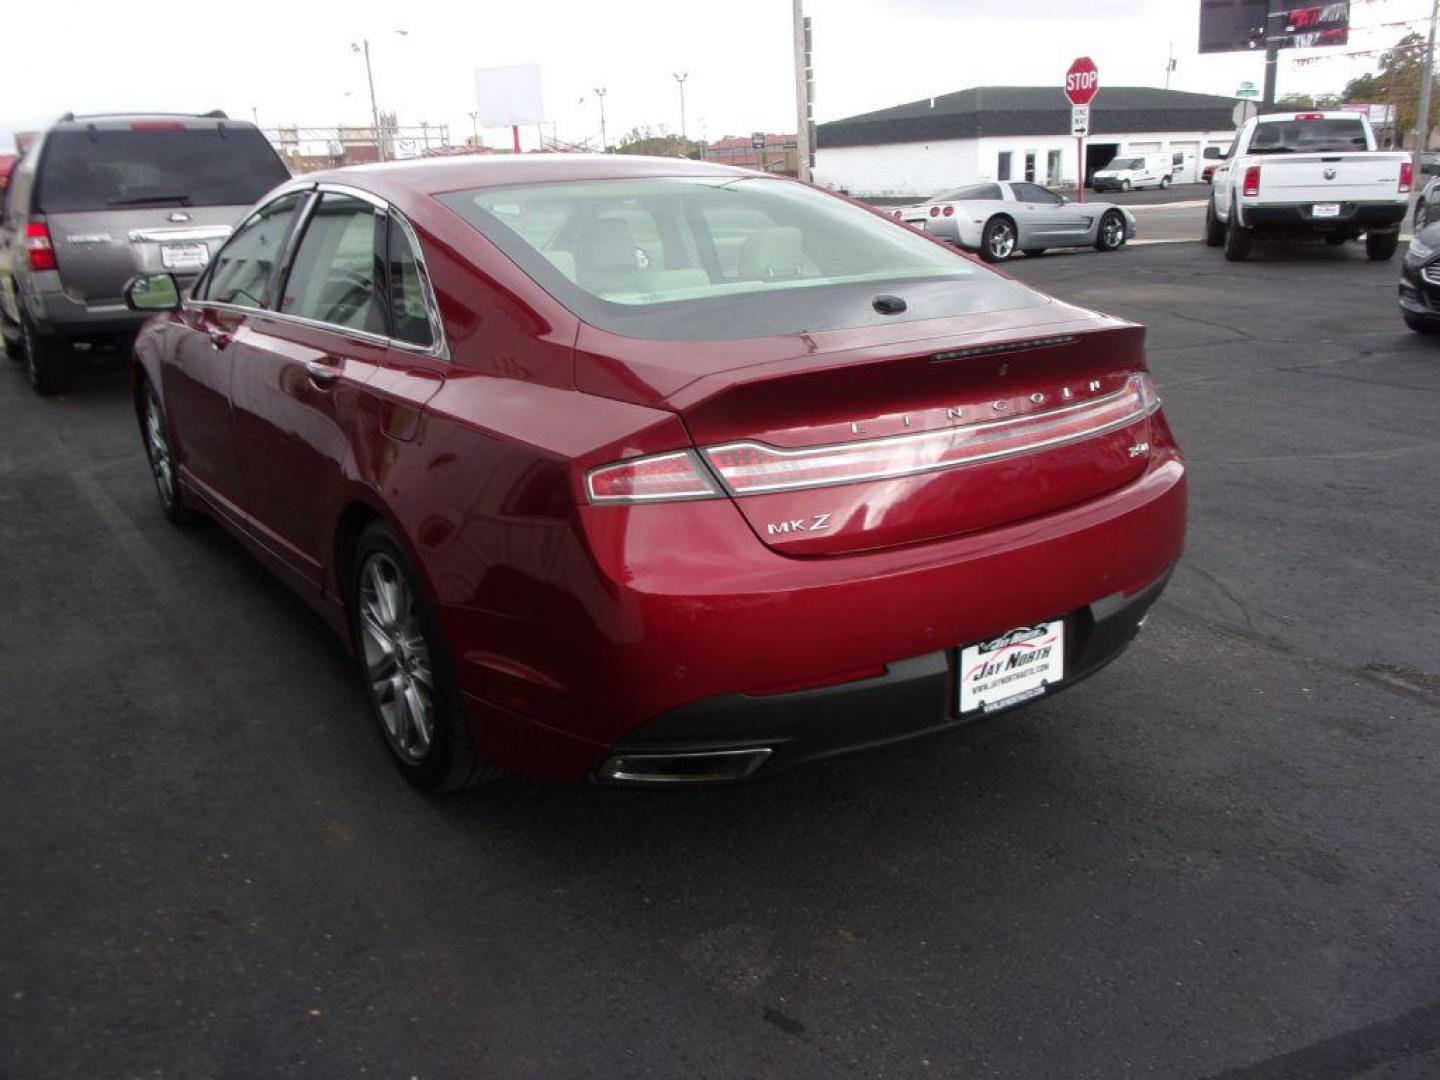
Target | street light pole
(604,141)
(680,78)
(1422,121)
(475,126)
(374,109)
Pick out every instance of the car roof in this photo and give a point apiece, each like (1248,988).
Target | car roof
(434,176)
(124,121)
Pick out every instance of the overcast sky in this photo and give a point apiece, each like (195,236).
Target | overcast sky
(295,65)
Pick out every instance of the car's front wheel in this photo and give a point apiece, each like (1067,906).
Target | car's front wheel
(1238,240)
(407,670)
(1111,236)
(997,243)
(1124,185)
(1164,182)
(162,459)
(1214,227)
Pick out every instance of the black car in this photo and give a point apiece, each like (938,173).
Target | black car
(1420,282)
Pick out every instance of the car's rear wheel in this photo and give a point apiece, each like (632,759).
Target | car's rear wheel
(1239,241)
(47,360)
(156,434)
(407,670)
(1111,236)
(1421,325)
(997,243)
(1124,185)
(1380,246)
(1214,227)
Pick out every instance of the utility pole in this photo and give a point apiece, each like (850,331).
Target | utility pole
(374,109)
(680,80)
(804,92)
(604,141)
(1170,65)
(1422,121)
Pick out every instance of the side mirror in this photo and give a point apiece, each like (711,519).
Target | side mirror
(1064,199)
(152,292)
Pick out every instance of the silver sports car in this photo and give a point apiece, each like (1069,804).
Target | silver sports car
(1001,218)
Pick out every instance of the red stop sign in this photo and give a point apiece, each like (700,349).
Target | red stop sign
(1082,81)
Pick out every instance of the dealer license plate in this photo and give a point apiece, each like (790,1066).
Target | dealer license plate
(1325,209)
(184,256)
(1013,667)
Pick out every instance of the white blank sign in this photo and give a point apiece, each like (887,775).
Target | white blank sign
(506,96)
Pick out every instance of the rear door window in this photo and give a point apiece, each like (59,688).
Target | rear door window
(242,269)
(337,268)
(155,165)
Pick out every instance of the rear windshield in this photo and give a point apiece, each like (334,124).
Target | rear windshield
(1307,136)
(721,257)
(974,191)
(106,169)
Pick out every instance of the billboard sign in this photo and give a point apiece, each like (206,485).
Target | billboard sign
(510,96)
(1242,25)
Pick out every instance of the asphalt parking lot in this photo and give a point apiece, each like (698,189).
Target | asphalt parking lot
(1218,857)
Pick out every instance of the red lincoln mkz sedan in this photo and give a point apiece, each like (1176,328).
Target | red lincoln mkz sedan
(658,471)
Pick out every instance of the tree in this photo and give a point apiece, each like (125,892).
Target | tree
(646,140)
(1397,83)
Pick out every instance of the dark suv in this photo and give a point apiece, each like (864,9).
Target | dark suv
(99,199)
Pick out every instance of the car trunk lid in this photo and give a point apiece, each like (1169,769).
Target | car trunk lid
(98,251)
(934,430)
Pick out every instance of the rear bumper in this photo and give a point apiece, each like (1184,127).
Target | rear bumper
(673,623)
(56,313)
(915,697)
(1300,219)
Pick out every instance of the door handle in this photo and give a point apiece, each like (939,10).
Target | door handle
(322,375)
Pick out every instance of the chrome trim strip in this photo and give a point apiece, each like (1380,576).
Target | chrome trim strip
(1431,273)
(192,232)
(920,436)
(613,768)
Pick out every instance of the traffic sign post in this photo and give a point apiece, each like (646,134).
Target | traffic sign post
(1082,83)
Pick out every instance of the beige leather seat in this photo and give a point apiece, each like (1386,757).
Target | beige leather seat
(772,254)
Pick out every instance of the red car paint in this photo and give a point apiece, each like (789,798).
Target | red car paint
(572,624)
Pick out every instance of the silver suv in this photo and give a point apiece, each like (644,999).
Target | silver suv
(97,200)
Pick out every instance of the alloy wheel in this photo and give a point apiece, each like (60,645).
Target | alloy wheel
(398,666)
(1113,231)
(1002,240)
(157,446)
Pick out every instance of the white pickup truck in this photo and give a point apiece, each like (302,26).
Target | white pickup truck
(1305,174)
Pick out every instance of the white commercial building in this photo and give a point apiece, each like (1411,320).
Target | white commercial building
(1015,133)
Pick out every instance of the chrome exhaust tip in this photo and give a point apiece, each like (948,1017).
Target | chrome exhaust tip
(698,767)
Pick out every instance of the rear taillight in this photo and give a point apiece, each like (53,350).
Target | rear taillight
(934,211)
(1407,176)
(1252,181)
(651,479)
(751,468)
(38,247)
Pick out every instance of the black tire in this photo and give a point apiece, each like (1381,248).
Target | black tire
(160,454)
(1238,241)
(1164,182)
(1124,185)
(1110,235)
(1421,325)
(1034,253)
(47,360)
(998,241)
(1380,246)
(405,657)
(1214,227)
